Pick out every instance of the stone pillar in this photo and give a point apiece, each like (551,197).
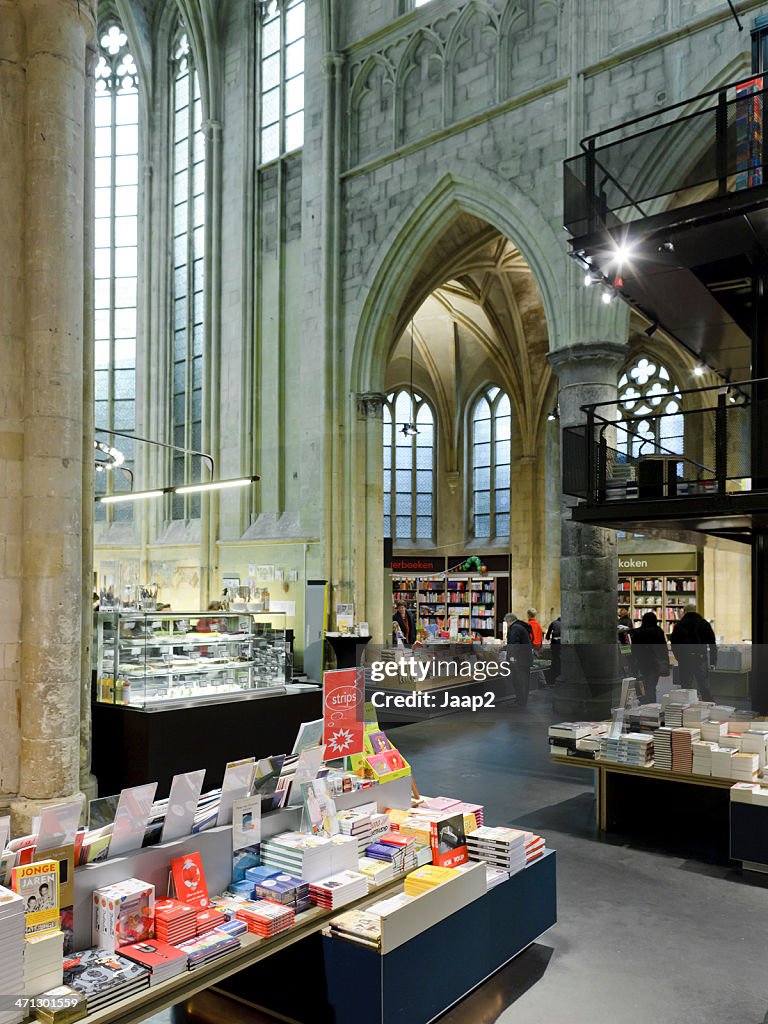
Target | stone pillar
(52,554)
(587,373)
(11,384)
(88,784)
(368,527)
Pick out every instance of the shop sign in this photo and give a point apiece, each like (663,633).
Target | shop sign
(662,564)
(343,712)
(416,564)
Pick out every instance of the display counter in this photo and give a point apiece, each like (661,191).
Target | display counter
(131,747)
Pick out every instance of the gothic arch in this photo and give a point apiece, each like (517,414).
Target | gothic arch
(362,89)
(419,110)
(514,19)
(384,314)
(462,98)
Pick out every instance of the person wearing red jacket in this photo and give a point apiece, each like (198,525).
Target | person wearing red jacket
(537,633)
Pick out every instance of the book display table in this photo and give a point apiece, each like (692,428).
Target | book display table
(618,787)
(749,836)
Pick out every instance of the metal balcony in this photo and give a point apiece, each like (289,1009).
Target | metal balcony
(677,459)
(669,210)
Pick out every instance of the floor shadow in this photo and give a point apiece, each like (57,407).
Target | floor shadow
(576,816)
(486,1004)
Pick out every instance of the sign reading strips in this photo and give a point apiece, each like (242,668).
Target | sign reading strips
(343,718)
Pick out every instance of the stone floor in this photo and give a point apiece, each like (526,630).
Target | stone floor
(670,937)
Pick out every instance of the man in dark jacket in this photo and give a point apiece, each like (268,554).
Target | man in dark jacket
(520,655)
(406,620)
(694,645)
(650,655)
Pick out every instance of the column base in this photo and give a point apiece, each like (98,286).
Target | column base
(589,684)
(24,811)
(89,785)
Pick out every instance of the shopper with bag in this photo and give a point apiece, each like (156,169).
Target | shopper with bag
(650,656)
(520,655)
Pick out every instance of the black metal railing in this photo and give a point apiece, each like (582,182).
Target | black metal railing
(670,158)
(671,445)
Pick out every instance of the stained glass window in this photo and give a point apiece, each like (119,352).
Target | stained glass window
(649,411)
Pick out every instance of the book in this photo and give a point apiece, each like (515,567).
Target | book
(122,913)
(38,886)
(448,841)
(189,880)
(103,977)
(160,959)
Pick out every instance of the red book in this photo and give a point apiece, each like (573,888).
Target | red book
(393,839)
(448,841)
(189,880)
(152,954)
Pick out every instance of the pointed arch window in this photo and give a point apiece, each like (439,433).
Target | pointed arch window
(491,459)
(649,411)
(409,468)
(188,273)
(116,208)
(281,115)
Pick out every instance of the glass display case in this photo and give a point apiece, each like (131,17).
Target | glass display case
(157,660)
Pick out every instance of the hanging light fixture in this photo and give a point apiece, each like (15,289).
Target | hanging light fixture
(410,429)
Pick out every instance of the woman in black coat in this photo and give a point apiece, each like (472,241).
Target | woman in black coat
(650,655)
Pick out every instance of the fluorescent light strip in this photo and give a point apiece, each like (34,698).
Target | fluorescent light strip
(114,499)
(216,485)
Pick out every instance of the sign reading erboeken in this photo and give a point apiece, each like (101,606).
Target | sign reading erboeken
(343,718)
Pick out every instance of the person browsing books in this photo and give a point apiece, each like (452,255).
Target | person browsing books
(537,633)
(695,647)
(405,621)
(520,655)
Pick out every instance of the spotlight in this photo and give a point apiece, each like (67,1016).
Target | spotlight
(409,430)
(650,331)
(699,371)
(608,296)
(622,252)
(667,246)
(554,415)
(592,276)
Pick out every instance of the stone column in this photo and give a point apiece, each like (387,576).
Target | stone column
(586,373)
(88,784)
(52,555)
(11,384)
(368,527)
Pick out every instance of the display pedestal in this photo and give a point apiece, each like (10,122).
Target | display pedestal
(344,983)
(132,747)
(347,648)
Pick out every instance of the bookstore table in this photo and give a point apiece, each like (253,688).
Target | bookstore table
(606,772)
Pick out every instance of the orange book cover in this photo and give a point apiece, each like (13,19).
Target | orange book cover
(448,841)
(189,880)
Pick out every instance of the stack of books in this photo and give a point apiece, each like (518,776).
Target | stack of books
(500,847)
(265,918)
(357,926)
(401,842)
(702,757)
(755,742)
(43,955)
(229,904)
(495,876)
(695,716)
(535,847)
(357,824)
(750,793)
(662,748)
(378,872)
(175,922)
(673,714)
(564,738)
(721,761)
(297,853)
(338,890)
(12,960)
(379,824)
(287,890)
(712,731)
(206,948)
(477,809)
(650,717)
(634,748)
(744,767)
(208,919)
(415,825)
(428,877)
(394,855)
(161,960)
(103,977)
(682,749)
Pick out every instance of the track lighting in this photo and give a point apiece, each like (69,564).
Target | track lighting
(608,296)
(554,415)
(699,371)
(592,276)
(409,430)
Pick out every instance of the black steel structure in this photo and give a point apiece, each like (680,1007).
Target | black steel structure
(669,212)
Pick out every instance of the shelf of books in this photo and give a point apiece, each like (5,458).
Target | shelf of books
(435,599)
(667,596)
(156,900)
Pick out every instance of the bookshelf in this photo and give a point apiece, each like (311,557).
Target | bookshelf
(666,595)
(472,598)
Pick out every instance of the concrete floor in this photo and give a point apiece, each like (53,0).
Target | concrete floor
(642,936)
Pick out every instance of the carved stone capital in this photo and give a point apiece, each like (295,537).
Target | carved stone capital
(370,404)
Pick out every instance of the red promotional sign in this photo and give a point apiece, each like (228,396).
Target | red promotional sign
(343,700)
